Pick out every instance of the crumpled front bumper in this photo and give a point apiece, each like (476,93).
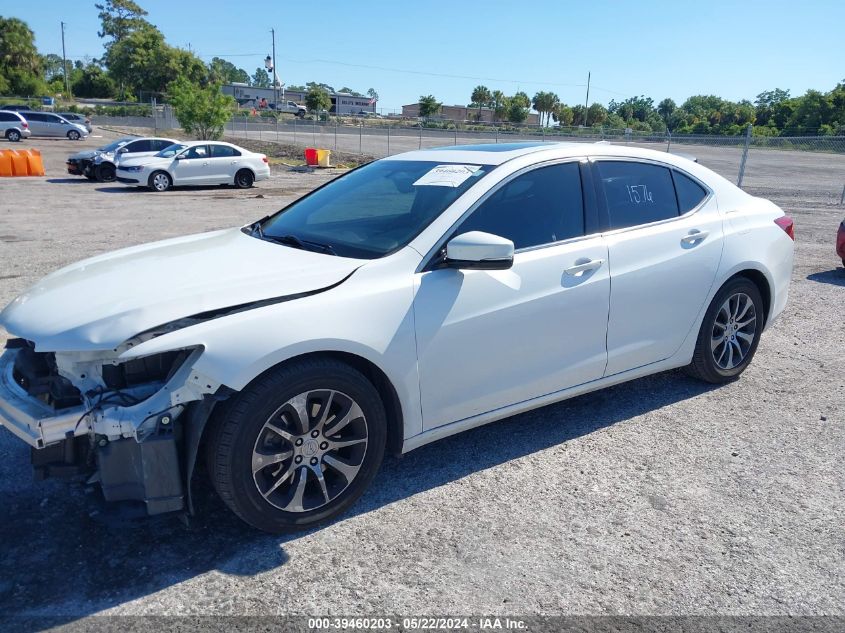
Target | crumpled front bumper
(32,420)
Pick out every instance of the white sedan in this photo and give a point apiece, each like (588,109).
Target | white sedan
(195,163)
(413,298)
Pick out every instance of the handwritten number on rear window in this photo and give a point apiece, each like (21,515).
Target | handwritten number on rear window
(640,194)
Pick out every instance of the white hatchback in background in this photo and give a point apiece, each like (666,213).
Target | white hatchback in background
(416,297)
(195,163)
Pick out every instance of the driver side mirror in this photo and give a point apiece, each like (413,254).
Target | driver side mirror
(122,150)
(477,250)
(180,156)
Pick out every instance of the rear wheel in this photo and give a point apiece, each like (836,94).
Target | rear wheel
(160,181)
(105,172)
(730,332)
(244,179)
(13,135)
(298,446)
(73,135)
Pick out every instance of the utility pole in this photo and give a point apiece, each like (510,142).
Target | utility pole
(64,61)
(275,73)
(587,100)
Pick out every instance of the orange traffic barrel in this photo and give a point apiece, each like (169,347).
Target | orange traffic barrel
(24,162)
(311,156)
(34,164)
(19,163)
(5,162)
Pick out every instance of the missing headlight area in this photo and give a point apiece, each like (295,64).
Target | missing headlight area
(119,422)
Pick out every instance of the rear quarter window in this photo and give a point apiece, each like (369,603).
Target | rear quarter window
(690,193)
(636,193)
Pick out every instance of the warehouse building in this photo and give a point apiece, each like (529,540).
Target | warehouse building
(342,102)
(462,113)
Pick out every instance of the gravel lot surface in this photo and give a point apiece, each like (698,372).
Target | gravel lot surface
(660,496)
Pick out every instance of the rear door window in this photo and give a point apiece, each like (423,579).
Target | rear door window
(138,146)
(5,116)
(223,151)
(37,116)
(636,193)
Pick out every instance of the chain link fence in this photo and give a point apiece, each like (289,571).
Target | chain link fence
(813,165)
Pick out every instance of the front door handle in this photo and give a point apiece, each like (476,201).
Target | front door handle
(694,236)
(583,265)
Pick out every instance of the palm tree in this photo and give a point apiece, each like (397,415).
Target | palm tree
(429,106)
(497,100)
(545,103)
(481,97)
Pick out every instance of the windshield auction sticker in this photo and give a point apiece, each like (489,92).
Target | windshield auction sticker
(447,175)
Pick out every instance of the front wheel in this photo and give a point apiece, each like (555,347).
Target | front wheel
(160,181)
(298,446)
(73,135)
(13,135)
(730,332)
(244,179)
(105,172)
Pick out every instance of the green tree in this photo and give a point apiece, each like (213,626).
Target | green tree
(665,109)
(545,103)
(119,18)
(92,81)
(20,63)
(498,104)
(521,100)
(317,99)
(596,114)
(563,114)
(222,71)
(260,79)
(517,111)
(372,94)
(202,112)
(429,106)
(481,97)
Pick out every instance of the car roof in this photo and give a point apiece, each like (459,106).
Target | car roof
(499,153)
(20,116)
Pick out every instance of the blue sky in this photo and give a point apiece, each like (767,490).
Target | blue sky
(403,49)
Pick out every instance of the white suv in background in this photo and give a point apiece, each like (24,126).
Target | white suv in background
(13,127)
(195,163)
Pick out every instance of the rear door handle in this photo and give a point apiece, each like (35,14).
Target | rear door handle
(582,265)
(694,236)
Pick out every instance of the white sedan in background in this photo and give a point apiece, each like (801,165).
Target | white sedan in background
(195,163)
(416,297)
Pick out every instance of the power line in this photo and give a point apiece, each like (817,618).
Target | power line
(421,72)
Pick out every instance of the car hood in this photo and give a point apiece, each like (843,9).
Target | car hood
(98,303)
(88,153)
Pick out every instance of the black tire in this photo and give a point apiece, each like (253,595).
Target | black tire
(705,363)
(244,179)
(105,172)
(238,427)
(73,135)
(13,136)
(160,181)
(90,176)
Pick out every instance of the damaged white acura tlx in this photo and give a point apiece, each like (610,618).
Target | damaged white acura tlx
(410,299)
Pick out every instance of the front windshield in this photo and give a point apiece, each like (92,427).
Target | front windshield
(376,209)
(171,150)
(113,145)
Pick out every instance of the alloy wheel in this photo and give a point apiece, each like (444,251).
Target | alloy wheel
(310,450)
(734,330)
